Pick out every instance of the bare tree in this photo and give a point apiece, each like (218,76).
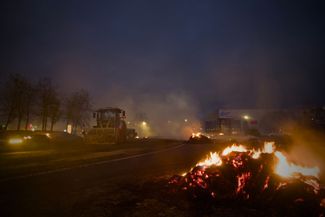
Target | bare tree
(54,109)
(49,102)
(28,102)
(78,108)
(21,83)
(8,99)
(16,99)
(25,99)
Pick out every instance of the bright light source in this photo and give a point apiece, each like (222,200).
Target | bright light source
(221,134)
(47,135)
(15,141)
(69,128)
(144,123)
(27,137)
(246,117)
(185,120)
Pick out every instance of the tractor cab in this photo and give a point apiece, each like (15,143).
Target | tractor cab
(109,117)
(110,126)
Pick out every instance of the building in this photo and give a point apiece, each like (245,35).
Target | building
(239,121)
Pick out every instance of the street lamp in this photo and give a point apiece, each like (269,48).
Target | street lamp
(244,122)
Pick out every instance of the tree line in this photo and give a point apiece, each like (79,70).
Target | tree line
(22,100)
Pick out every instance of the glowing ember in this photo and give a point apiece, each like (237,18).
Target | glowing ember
(286,169)
(212,159)
(258,176)
(241,181)
(266,183)
(283,167)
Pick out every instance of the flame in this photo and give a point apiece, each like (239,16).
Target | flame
(212,159)
(268,148)
(251,179)
(196,135)
(199,135)
(256,154)
(234,147)
(287,169)
(283,167)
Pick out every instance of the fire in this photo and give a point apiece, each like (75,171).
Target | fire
(283,168)
(199,135)
(234,148)
(212,159)
(256,154)
(241,181)
(262,175)
(268,148)
(287,169)
(196,135)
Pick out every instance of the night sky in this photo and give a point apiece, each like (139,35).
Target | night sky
(210,53)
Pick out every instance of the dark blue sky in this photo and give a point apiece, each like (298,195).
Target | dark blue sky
(217,53)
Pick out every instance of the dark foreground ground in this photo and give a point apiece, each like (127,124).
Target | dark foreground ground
(104,180)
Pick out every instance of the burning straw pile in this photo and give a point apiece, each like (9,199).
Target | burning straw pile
(261,178)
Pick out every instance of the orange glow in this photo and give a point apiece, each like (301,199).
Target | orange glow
(242,180)
(283,168)
(234,148)
(212,159)
(268,148)
(196,135)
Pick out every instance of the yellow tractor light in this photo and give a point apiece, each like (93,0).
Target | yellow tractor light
(15,141)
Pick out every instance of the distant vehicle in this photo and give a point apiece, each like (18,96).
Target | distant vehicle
(110,127)
(13,139)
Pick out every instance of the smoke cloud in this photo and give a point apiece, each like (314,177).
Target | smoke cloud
(169,115)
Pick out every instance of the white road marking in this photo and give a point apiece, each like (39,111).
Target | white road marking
(88,164)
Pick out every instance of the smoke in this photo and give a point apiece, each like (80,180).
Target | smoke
(307,147)
(169,115)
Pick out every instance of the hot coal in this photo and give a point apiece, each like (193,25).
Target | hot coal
(242,179)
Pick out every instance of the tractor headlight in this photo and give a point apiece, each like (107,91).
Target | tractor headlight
(15,141)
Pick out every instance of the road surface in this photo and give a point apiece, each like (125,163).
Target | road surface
(82,189)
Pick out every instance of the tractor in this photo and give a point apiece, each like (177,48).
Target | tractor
(110,127)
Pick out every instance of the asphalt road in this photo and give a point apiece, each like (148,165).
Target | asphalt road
(71,191)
